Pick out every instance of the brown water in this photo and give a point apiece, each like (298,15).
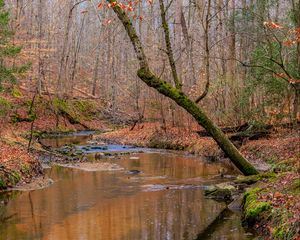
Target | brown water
(165,201)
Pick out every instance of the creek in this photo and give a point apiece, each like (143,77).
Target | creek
(152,195)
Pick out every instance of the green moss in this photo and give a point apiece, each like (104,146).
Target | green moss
(15,92)
(284,231)
(255,178)
(75,111)
(295,189)
(279,232)
(14,178)
(84,106)
(5,106)
(2,183)
(253,207)
(271,160)
(26,169)
(65,108)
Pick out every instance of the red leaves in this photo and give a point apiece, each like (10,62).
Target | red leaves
(289,43)
(121,5)
(107,22)
(294,81)
(130,9)
(292,35)
(280,75)
(290,80)
(128,6)
(100,5)
(272,25)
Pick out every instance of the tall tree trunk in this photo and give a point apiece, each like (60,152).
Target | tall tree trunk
(96,69)
(296,107)
(207,52)
(76,53)
(180,98)
(170,54)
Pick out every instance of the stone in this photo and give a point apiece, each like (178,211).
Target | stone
(134,171)
(226,186)
(236,204)
(221,192)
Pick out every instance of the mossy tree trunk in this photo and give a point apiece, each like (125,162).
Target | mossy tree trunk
(176,94)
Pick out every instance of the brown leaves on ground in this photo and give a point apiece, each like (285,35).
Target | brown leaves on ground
(274,148)
(179,138)
(12,157)
(16,165)
(284,196)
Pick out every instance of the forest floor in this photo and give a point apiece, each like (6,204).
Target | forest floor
(271,204)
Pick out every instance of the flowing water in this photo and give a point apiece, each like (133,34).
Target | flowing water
(164,201)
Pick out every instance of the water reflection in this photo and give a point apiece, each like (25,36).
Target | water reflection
(57,142)
(112,205)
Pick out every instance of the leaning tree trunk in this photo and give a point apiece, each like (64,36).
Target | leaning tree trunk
(180,98)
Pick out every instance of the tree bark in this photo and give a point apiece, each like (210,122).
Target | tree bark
(180,98)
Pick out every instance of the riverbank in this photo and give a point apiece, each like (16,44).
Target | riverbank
(17,166)
(23,117)
(280,145)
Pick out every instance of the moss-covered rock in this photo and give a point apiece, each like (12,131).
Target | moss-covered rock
(253,207)
(217,193)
